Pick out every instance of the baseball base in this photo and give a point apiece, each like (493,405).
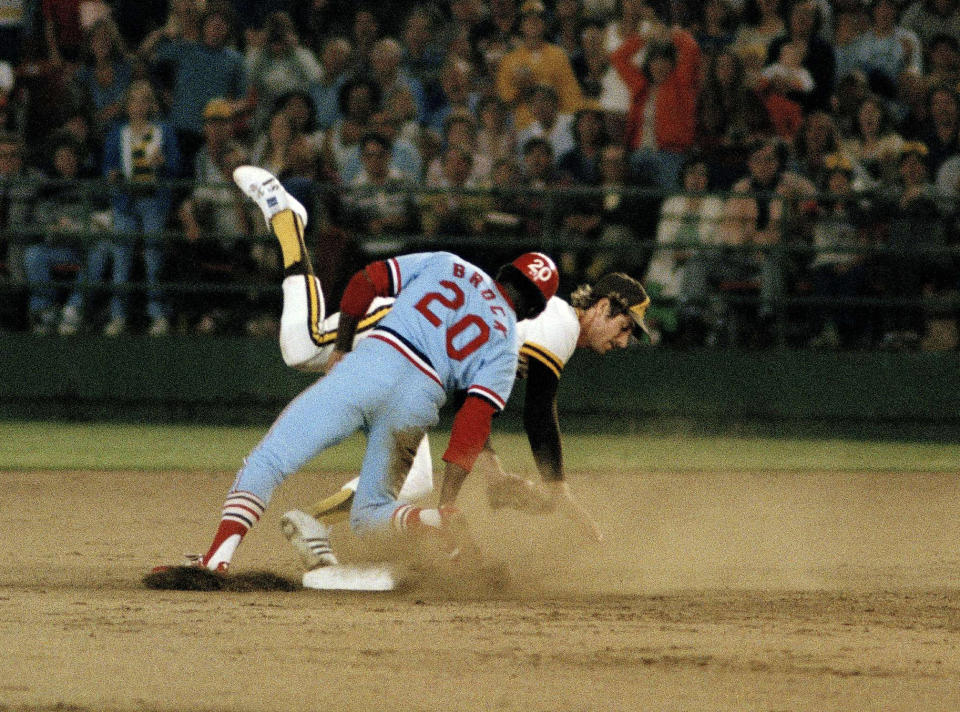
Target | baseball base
(345,577)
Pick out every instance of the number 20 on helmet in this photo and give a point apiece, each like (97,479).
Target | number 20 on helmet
(536,278)
(541,270)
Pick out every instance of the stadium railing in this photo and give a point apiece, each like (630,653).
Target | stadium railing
(537,224)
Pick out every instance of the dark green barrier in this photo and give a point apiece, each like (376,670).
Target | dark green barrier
(868,386)
(245,380)
(231,379)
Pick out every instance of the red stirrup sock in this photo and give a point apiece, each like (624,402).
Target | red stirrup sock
(409,518)
(241,511)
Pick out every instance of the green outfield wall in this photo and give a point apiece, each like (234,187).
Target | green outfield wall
(244,380)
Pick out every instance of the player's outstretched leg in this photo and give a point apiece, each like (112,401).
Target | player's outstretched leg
(285,215)
(304,342)
(241,511)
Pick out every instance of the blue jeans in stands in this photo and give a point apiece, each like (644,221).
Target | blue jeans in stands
(38,263)
(145,216)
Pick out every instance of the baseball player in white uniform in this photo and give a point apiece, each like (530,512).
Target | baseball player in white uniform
(601,317)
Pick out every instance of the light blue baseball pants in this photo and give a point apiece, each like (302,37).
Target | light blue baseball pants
(374,389)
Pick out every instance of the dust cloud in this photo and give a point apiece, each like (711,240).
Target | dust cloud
(768,530)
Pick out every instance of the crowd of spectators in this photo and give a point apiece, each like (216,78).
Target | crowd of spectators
(769,168)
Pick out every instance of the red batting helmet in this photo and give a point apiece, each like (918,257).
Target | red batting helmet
(539,269)
(537,278)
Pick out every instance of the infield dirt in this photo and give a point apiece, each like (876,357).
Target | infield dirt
(713,591)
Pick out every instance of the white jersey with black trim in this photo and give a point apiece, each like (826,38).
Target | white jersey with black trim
(551,338)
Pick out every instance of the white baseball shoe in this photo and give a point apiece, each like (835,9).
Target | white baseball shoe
(265,190)
(115,326)
(69,321)
(310,537)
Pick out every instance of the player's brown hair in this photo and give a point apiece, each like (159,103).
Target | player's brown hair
(583,297)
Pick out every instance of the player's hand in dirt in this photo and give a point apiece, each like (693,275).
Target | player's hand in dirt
(563,501)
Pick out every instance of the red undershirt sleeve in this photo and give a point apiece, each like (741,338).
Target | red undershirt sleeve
(471,428)
(372,281)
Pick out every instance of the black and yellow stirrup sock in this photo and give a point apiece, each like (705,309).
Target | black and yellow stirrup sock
(335,508)
(288,229)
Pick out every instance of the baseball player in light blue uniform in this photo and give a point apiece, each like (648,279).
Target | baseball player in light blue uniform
(449,329)
(452,327)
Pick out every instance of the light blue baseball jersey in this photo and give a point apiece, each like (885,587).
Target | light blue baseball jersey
(451,320)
